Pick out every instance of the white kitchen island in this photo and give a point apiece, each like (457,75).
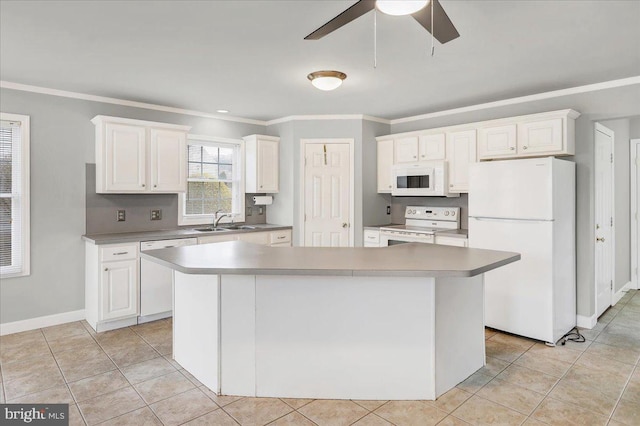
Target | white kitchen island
(402,322)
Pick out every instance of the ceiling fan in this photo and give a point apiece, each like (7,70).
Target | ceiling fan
(444,29)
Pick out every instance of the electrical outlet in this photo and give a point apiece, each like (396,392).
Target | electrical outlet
(260,210)
(249,211)
(121,216)
(156,214)
(388,209)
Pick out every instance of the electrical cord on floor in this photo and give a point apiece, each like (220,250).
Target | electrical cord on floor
(573,335)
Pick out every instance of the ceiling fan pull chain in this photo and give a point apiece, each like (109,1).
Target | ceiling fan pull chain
(375,38)
(433,47)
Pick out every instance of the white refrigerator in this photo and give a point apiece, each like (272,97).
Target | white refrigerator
(527,206)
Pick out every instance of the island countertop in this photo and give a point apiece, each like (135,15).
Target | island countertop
(404,260)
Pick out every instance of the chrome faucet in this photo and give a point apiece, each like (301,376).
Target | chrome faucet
(216,218)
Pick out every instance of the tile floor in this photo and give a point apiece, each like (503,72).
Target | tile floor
(127,377)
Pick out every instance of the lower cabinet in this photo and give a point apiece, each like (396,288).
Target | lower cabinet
(280,238)
(371,238)
(452,241)
(112,285)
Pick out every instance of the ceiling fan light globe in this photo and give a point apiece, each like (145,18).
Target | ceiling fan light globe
(400,7)
(326,80)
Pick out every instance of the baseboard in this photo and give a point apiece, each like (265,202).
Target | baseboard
(586,322)
(40,322)
(620,293)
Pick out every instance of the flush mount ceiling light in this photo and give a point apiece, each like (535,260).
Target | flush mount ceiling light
(327,80)
(400,7)
(222,111)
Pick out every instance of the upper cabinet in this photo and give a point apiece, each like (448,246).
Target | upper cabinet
(497,141)
(134,156)
(419,148)
(262,155)
(385,161)
(461,152)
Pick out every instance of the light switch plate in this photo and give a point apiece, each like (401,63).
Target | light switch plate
(260,210)
(156,214)
(121,216)
(249,211)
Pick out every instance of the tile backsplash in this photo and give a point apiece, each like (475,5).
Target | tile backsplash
(101,209)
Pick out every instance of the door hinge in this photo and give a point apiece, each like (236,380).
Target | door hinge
(305,217)
(612,221)
(305,161)
(611,285)
(612,158)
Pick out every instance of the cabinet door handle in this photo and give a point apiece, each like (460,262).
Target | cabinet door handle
(120,253)
(282,237)
(155,186)
(389,186)
(525,147)
(600,240)
(450,185)
(512,148)
(415,156)
(143,185)
(106,269)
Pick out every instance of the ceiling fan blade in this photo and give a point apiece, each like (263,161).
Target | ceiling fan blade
(355,11)
(444,29)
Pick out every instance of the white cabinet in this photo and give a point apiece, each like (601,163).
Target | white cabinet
(432,147)
(406,150)
(461,152)
(262,155)
(261,238)
(281,238)
(134,156)
(496,142)
(372,238)
(385,161)
(536,137)
(220,238)
(452,241)
(111,285)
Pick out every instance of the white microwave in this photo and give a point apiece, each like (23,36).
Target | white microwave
(423,179)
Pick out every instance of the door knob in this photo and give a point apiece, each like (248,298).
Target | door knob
(344,225)
(600,239)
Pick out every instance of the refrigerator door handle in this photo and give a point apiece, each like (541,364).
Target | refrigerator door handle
(509,219)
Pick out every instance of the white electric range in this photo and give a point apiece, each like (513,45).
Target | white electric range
(421,225)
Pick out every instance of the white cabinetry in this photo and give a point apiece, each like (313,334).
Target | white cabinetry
(540,137)
(280,238)
(134,156)
(461,152)
(261,238)
(219,238)
(385,161)
(451,241)
(497,142)
(111,285)
(262,155)
(432,147)
(372,238)
(406,149)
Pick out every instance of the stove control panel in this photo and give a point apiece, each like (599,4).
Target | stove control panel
(433,213)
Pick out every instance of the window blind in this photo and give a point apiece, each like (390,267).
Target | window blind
(12,231)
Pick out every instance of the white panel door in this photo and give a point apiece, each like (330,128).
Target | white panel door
(327,195)
(432,147)
(603,218)
(496,142)
(521,189)
(125,157)
(406,149)
(461,152)
(119,289)
(518,296)
(385,161)
(268,153)
(540,136)
(168,160)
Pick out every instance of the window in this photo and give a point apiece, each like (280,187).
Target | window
(214,181)
(14,195)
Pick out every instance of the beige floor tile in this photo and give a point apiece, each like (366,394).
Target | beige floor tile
(333,412)
(511,396)
(588,397)
(173,362)
(632,391)
(550,366)
(370,420)
(88,327)
(554,412)
(292,419)
(609,384)
(591,360)
(163,387)
(19,352)
(450,400)
(117,338)
(164,348)
(214,418)
(609,337)
(624,355)
(110,405)
(77,365)
(489,333)
(590,334)
(132,353)
(527,378)
(2,398)
(221,400)
(452,421)
(71,343)
(296,403)
(140,417)
(366,404)
(56,395)
(503,351)
(22,339)
(403,413)
(183,407)
(190,377)
(257,411)
(20,370)
(35,382)
(64,330)
(75,418)
(578,346)
(474,382)
(511,340)
(98,385)
(146,370)
(627,412)
(533,422)
(493,366)
(480,411)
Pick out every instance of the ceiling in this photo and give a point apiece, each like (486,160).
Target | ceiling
(249,57)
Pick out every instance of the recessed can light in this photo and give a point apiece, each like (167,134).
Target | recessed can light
(222,111)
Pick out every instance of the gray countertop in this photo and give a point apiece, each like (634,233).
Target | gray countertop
(169,234)
(454,233)
(414,259)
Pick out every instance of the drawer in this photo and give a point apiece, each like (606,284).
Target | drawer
(281,237)
(118,252)
(371,236)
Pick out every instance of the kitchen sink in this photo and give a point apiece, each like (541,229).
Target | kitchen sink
(210,229)
(234,227)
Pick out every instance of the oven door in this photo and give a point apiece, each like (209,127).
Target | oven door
(414,181)
(392,238)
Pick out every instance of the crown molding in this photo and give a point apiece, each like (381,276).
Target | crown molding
(123,102)
(524,99)
(328,117)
